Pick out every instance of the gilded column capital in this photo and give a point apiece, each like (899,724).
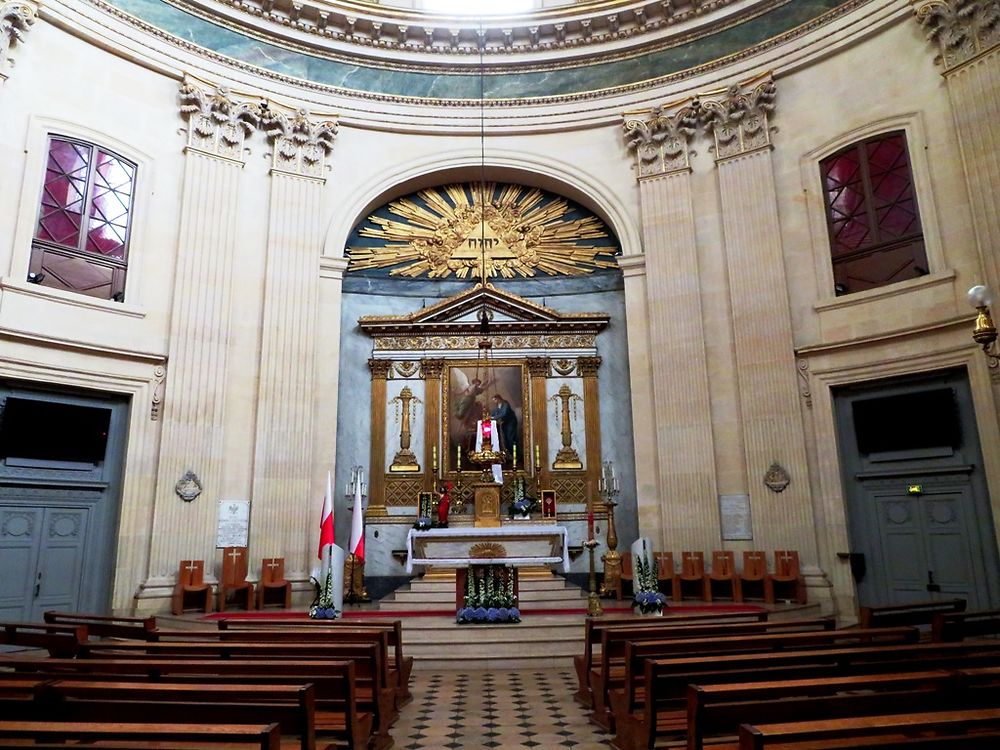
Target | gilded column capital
(588,366)
(738,118)
(15,19)
(538,367)
(380,368)
(218,123)
(299,145)
(431,369)
(962,29)
(661,141)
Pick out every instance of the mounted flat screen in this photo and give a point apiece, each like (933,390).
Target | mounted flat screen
(910,421)
(53,431)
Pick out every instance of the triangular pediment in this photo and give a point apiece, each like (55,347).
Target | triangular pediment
(507,313)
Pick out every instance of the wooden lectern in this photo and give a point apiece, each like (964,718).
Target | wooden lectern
(487,504)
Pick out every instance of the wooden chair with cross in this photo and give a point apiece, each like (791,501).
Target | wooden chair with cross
(273,588)
(234,578)
(191,586)
(786,582)
(665,571)
(723,580)
(753,574)
(691,579)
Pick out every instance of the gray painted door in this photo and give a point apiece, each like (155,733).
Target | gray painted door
(42,559)
(925,545)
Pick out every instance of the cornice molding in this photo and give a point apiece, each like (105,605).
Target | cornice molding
(962,29)
(16,18)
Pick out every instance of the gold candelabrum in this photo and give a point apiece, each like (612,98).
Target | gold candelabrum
(567,457)
(608,487)
(594,608)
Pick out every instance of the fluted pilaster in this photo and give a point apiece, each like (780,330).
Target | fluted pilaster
(967,36)
(771,418)
(194,403)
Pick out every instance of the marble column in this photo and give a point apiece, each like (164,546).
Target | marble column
(430,371)
(679,370)
(538,372)
(587,368)
(191,450)
(16,18)
(284,511)
(770,411)
(967,36)
(376,485)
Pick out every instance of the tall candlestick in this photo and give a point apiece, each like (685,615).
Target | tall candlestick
(514,459)
(434,458)
(458,457)
(538,456)
(590,524)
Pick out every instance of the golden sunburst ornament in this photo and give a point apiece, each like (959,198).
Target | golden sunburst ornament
(452,231)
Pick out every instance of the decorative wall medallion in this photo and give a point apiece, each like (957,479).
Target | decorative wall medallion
(897,513)
(188,487)
(407,369)
(564,366)
(64,525)
(941,513)
(17,524)
(453,230)
(487,550)
(776,478)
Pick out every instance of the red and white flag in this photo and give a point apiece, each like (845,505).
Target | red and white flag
(326,519)
(357,546)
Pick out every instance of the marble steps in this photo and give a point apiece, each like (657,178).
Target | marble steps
(424,595)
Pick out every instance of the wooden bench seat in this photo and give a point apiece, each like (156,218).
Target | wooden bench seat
(641,723)
(914,613)
(891,731)
(291,707)
(593,628)
(58,640)
(103,626)
(957,626)
(263,736)
(636,652)
(337,709)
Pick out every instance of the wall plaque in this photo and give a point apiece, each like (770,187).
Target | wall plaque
(234,523)
(734,515)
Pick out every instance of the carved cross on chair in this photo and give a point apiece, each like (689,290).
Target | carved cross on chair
(234,574)
(272,579)
(191,585)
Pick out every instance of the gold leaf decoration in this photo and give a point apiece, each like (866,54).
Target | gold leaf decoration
(453,231)
(484,550)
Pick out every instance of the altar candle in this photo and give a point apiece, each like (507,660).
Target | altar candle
(538,455)
(514,459)
(434,457)
(590,524)
(458,457)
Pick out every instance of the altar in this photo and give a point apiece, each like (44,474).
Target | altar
(460,547)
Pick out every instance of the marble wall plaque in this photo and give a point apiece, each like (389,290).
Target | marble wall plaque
(734,515)
(234,523)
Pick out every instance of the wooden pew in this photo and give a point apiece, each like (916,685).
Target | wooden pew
(639,722)
(717,711)
(402,663)
(892,731)
(101,626)
(614,668)
(914,613)
(957,626)
(371,687)
(337,710)
(263,736)
(291,707)
(592,638)
(58,640)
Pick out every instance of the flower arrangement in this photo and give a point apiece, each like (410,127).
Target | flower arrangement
(422,524)
(489,598)
(521,505)
(647,599)
(322,607)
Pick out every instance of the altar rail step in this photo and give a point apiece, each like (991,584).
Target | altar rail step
(541,599)
(556,584)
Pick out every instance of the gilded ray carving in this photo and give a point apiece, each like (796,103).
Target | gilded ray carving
(452,231)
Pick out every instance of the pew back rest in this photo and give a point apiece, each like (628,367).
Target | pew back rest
(913,613)
(957,626)
(105,626)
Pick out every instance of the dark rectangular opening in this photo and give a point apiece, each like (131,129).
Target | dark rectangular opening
(53,431)
(911,421)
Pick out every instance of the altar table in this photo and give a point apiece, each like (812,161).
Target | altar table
(460,547)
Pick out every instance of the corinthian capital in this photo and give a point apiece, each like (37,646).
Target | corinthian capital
(738,118)
(298,144)
(218,124)
(661,141)
(15,19)
(962,29)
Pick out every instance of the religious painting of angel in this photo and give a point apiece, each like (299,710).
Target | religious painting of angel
(473,394)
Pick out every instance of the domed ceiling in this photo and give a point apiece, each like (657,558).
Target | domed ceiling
(399,50)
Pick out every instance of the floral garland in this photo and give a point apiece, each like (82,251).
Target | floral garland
(647,596)
(489,598)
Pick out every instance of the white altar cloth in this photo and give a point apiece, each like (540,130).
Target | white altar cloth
(523,545)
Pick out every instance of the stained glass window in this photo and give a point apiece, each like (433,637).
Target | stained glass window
(81,239)
(871,210)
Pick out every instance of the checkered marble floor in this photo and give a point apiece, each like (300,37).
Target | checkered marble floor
(530,708)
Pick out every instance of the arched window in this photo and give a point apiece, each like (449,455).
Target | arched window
(81,239)
(871,212)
